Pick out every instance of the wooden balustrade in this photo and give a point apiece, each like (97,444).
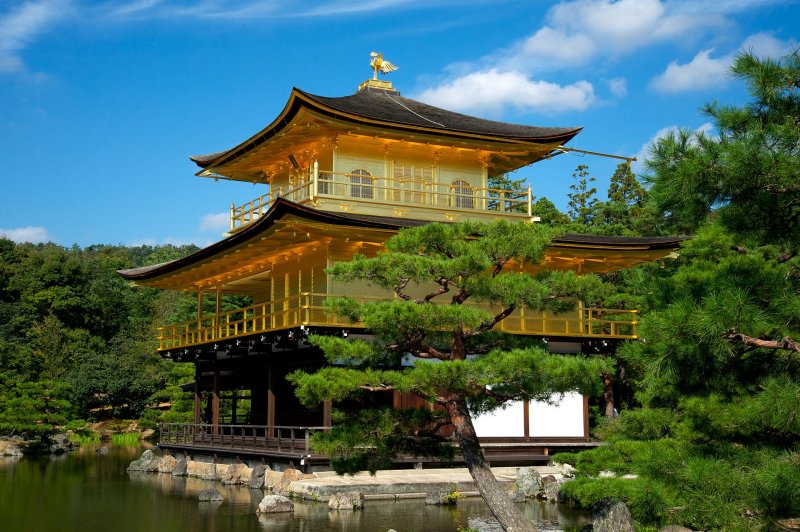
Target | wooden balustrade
(275,439)
(308,309)
(457,197)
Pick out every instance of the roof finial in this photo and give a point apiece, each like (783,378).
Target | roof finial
(378,63)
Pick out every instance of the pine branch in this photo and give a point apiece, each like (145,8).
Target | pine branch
(445,287)
(787,344)
(488,325)
(398,289)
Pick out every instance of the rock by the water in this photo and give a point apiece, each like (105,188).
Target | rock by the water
(59,443)
(153,465)
(180,468)
(442,496)
(612,516)
(529,482)
(678,528)
(787,524)
(272,504)
(8,448)
(551,488)
(236,474)
(257,475)
(103,449)
(143,461)
(289,476)
(167,463)
(210,495)
(351,500)
(517,496)
(201,470)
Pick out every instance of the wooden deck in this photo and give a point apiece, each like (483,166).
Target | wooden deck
(288,443)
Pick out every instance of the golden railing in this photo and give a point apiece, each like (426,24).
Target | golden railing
(309,309)
(456,197)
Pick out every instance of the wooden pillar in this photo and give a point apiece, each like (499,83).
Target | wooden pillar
(270,401)
(586,417)
(217,321)
(234,400)
(526,423)
(326,413)
(215,401)
(197,396)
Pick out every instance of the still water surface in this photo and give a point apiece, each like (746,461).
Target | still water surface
(89,491)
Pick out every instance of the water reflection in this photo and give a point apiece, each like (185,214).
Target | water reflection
(87,490)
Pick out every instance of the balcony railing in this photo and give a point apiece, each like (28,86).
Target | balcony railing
(282,440)
(454,197)
(308,308)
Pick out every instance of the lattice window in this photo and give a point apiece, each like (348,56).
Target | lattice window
(463,195)
(412,184)
(361,184)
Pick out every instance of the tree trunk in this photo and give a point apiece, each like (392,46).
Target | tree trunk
(506,512)
(608,393)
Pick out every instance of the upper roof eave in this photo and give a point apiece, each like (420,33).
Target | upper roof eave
(282,207)
(466,127)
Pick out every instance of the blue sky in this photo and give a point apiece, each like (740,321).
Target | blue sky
(102,102)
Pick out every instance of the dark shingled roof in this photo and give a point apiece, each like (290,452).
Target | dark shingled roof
(282,207)
(392,110)
(391,107)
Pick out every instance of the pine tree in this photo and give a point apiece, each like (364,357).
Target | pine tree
(461,367)
(583,200)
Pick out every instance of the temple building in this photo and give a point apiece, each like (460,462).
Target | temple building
(342,175)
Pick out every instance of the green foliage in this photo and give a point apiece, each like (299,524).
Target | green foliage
(583,202)
(715,371)
(33,407)
(80,336)
(434,270)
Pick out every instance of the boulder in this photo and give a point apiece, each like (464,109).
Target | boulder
(289,476)
(143,461)
(257,476)
(676,528)
(275,504)
(167,464)
(517,496)
(59,443)
(147,434)
(180,468)
(153,465)
(210,495)
(201,470)
(529,482)
(787,524)
(236,474)
(8,448)
(442,496)
(103,450)
(551,488)
(612,516)
(351,500)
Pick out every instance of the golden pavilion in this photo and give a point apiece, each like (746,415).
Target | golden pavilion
(342,175)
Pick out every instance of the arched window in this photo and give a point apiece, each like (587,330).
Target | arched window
(463,195)
(361,184)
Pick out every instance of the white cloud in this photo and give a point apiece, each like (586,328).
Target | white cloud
(702,72)
(492,90)
(765,45)
(618,87)
(705,71)
(575,33)
(21,24)
(216,222)
(34,235)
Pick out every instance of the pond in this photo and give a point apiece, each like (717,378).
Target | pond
(88,490)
